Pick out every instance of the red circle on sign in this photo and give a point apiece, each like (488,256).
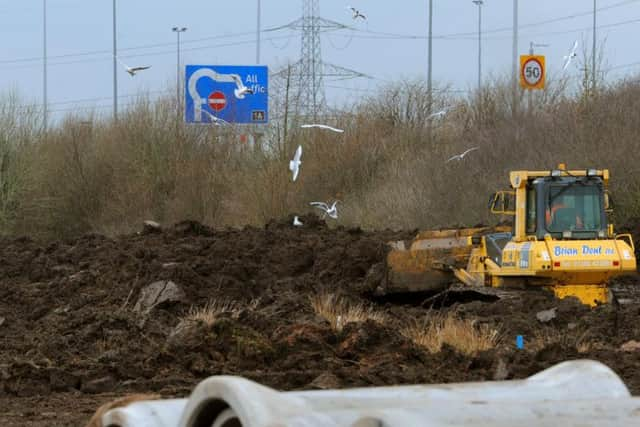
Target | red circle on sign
(217,101)
(539,78)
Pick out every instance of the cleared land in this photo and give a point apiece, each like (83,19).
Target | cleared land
(288,307)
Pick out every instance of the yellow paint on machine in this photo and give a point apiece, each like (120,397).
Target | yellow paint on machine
(567,266)
(591,295)
(551,256)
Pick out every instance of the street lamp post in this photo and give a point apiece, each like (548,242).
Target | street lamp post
(45,113)
(429,69)
(178,31)
(479,3)
(514,64)
(115,66)
(593,51)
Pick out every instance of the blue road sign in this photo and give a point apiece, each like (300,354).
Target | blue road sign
(229,93)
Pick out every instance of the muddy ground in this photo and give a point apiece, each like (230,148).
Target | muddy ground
(72,337)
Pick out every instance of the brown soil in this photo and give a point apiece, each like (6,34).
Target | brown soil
(72,341)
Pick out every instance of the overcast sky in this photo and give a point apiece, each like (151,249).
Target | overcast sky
(80,39)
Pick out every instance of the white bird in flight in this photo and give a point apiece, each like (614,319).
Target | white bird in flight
(297,222)
(294,165)
(572,54)
(132,70)
(241,90)
(332,210)
(461,156)
(356,13)
(323,127)
(439,114)
(215,120)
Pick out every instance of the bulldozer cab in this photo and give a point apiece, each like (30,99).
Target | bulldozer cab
(566,208)
(561,204)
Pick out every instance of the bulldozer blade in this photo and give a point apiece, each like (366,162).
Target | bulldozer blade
(427,263)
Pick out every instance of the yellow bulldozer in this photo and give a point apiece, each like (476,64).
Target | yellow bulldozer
(559,239)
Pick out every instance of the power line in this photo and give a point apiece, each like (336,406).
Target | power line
(97,99)
(473,35)
(131,48)
(246,33)
(374,35)
(380,33)
(130,95)
(382,36)
(578,30)
(91,108)
(350,89)
(547,21)
(620,66)
(139,55)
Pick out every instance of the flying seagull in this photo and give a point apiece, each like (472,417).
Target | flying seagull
(297,222)
(572,54)
(461,156)
(215,120)
(294,165)
(331,211)
(322,127)
(439,114)
(241,90)
(132,70)
(356,13)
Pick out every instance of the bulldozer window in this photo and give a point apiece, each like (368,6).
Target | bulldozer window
(574,207)
(531,210)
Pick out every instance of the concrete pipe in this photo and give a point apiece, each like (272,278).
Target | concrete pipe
(576,390)
(150,413)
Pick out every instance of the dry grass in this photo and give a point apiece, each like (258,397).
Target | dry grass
(92,175)
(578,339)
(425,334)
(211,312)
(338,311)
(463,335)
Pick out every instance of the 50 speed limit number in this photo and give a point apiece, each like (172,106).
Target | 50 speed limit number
(532,74)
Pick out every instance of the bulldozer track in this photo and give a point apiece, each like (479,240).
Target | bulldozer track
(626,294)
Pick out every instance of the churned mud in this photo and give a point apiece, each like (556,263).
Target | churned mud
(80,324)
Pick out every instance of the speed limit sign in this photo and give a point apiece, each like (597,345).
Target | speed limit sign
(532,73)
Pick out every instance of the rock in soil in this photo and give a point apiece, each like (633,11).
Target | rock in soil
(158,294)
(545,316)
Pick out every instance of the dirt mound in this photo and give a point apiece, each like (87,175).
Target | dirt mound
(69,305)
(70,325)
